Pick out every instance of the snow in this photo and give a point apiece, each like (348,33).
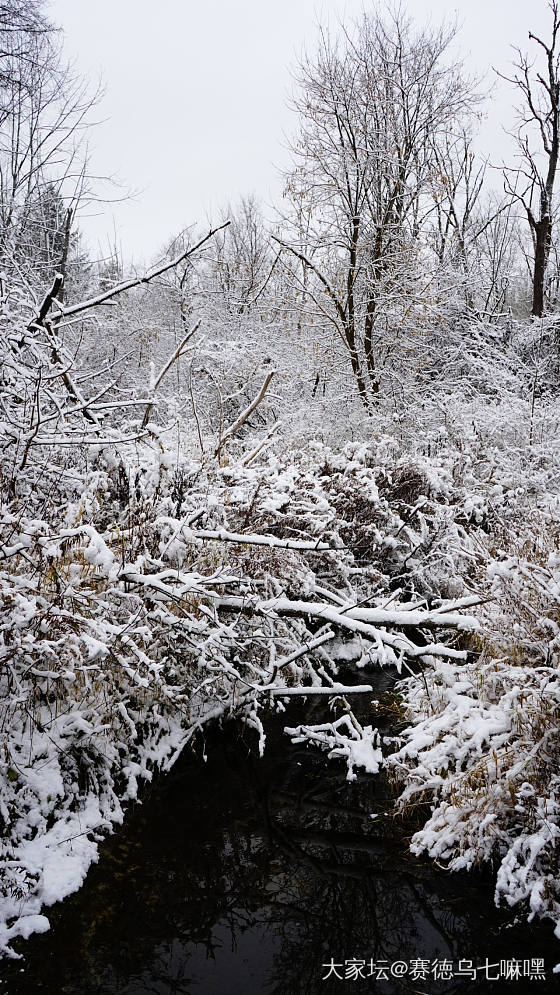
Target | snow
(182,546)
(346,738)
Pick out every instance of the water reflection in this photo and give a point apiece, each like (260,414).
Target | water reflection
(241,875)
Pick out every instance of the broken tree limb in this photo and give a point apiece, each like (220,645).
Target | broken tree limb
(48,322)
(263,444)
(120,288)
(376,625)
(400,618)
(43,322)
(236,425)
(372,623)
(47,303)
(166,368)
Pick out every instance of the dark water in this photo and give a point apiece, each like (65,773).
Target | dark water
(241,875)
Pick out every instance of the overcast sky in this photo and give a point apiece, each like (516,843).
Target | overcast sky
(195,107)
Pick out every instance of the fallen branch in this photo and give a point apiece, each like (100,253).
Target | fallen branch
(334,689)
(369,616)
(263,444)
(374,624)
(371,623)
(247,539)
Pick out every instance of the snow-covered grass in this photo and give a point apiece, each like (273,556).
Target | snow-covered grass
(483,746)
(483,752)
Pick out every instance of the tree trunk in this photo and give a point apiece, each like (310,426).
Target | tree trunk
(368,346)
(543,232)
(357,366)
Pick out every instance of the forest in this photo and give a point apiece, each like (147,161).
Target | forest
(288,453)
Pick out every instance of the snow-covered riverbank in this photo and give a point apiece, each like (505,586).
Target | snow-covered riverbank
(122,638)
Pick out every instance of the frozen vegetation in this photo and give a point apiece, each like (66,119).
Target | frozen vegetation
(294,448)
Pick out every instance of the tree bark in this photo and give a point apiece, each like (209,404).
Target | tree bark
(543,233)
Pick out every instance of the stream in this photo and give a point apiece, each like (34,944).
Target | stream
(240,874)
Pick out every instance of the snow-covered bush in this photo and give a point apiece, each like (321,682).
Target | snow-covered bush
(483,747)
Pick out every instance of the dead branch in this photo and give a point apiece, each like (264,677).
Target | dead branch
(120,288)
(166,368)
(246,539)
(237,424)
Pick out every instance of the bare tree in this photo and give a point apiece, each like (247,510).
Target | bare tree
(44,112)
(537,136)
(22,24)
(242,259)
(372,109)
(473,234)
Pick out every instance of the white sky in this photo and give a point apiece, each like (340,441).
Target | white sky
(195,109)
